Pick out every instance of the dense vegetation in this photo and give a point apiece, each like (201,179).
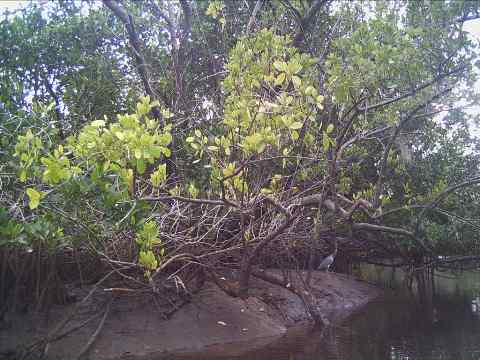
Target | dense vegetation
(163,143)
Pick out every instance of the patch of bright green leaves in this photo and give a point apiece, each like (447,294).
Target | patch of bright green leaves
(147,239)
(110,153)
(133,141)
(271,96)
(215,10)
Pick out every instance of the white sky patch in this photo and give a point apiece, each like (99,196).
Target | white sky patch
(11,5)
(473,27)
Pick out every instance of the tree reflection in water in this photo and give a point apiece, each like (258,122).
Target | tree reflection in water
(444,325)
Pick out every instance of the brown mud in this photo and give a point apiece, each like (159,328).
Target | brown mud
(212,321)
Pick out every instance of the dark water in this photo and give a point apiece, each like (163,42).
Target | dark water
(397,327)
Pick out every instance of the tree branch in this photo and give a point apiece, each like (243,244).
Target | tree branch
(398,129)
(413,92)
(127,20)
(306,21)
(191,200)
(256,9)
(473,181)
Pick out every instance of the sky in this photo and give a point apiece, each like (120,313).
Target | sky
(14,4)
(473,26)
(11,5)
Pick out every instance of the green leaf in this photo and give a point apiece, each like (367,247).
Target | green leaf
(23,176)
(138,153)
(143,108)
(156,151)
(320,102)
(159,176)
(120,135)
(50,106)
(166,151)
(34,197)
(254,143)
(148,260)
(294,67)
(325,142)
(192,190)
(310,91)
(330,128)
(165,139)
(295,125)
(280,79)
(165,112)
(297,82)
(141,166)
(97,123)
(280,65)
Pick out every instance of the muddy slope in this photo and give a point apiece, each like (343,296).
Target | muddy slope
(136,330)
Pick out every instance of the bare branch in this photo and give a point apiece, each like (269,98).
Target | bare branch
(399,128)
(190,200)
(256,9)
(307,20)
(413,92)
(359,137)
(187,21)
(470,182)
(372,227)
(127,20)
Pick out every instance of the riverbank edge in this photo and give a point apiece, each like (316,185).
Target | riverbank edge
(211,320)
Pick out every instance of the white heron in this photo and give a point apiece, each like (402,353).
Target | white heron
(328,261)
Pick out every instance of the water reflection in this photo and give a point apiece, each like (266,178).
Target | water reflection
(446,327)
(476,306)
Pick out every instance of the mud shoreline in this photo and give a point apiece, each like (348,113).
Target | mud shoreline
(211,322)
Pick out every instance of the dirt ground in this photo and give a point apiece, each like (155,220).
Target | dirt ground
(135,329)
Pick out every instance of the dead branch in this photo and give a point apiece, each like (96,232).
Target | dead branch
(307,20)
(470,182)
(94,336)
(256,9)
(383,163)
(142,68)
(167,198)
(414,91)
(247,260)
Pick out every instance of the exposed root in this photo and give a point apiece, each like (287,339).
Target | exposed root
(94,336)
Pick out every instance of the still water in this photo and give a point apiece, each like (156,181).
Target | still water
(397,327)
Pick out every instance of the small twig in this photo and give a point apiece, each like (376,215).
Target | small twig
(94,336)
(51,334)
(75,328)
(190,200)
(117,290)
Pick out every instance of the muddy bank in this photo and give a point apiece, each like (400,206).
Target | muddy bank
(135,329)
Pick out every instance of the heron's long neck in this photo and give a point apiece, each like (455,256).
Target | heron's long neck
(336,248)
